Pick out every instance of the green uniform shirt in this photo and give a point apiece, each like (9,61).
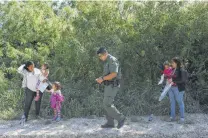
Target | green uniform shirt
(112,65)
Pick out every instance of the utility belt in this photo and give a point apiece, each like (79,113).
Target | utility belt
(114,83)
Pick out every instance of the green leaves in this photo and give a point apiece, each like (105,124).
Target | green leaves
(66,35)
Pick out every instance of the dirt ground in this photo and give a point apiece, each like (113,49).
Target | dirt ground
(196,126)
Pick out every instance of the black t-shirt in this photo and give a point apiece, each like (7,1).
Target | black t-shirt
(180,78)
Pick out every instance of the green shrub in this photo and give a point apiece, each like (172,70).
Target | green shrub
(141,35)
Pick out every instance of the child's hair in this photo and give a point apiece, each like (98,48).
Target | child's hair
(57,85)
(46,65)
(166,63)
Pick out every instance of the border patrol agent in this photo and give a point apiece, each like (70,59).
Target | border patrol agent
(110,78)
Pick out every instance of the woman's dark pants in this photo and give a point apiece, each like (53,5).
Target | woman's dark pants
(28,101)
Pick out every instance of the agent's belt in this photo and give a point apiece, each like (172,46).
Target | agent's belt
(115,83)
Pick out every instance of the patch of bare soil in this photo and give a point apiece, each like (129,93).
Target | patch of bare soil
(196,126)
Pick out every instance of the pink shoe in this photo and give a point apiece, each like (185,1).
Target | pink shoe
(37,98)
(54,118)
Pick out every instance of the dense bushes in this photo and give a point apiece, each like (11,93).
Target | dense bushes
(141,34)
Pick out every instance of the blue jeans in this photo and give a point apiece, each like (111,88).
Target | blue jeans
(175,95)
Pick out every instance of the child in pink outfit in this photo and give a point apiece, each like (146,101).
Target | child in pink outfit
(56,99)
(167,71)
(167,74)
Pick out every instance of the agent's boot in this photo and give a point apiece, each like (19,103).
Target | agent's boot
(106,125)
(121,123)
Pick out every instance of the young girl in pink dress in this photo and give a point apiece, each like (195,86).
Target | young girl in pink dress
(56,99)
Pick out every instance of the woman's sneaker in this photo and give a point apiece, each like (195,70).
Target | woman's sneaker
(171,119)
(23,120)
(150,117)
(182,121)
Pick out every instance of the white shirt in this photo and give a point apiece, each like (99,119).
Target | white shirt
(42,77)
(30,79)
(23,72)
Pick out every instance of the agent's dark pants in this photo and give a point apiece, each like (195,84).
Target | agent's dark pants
(111,111)
(28,101)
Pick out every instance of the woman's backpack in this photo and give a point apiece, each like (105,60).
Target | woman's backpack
(186,75)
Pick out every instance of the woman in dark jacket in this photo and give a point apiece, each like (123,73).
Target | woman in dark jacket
(177,90)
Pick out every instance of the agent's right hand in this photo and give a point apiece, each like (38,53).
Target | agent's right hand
(99,80)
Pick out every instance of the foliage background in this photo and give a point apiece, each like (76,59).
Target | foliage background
(141,35)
